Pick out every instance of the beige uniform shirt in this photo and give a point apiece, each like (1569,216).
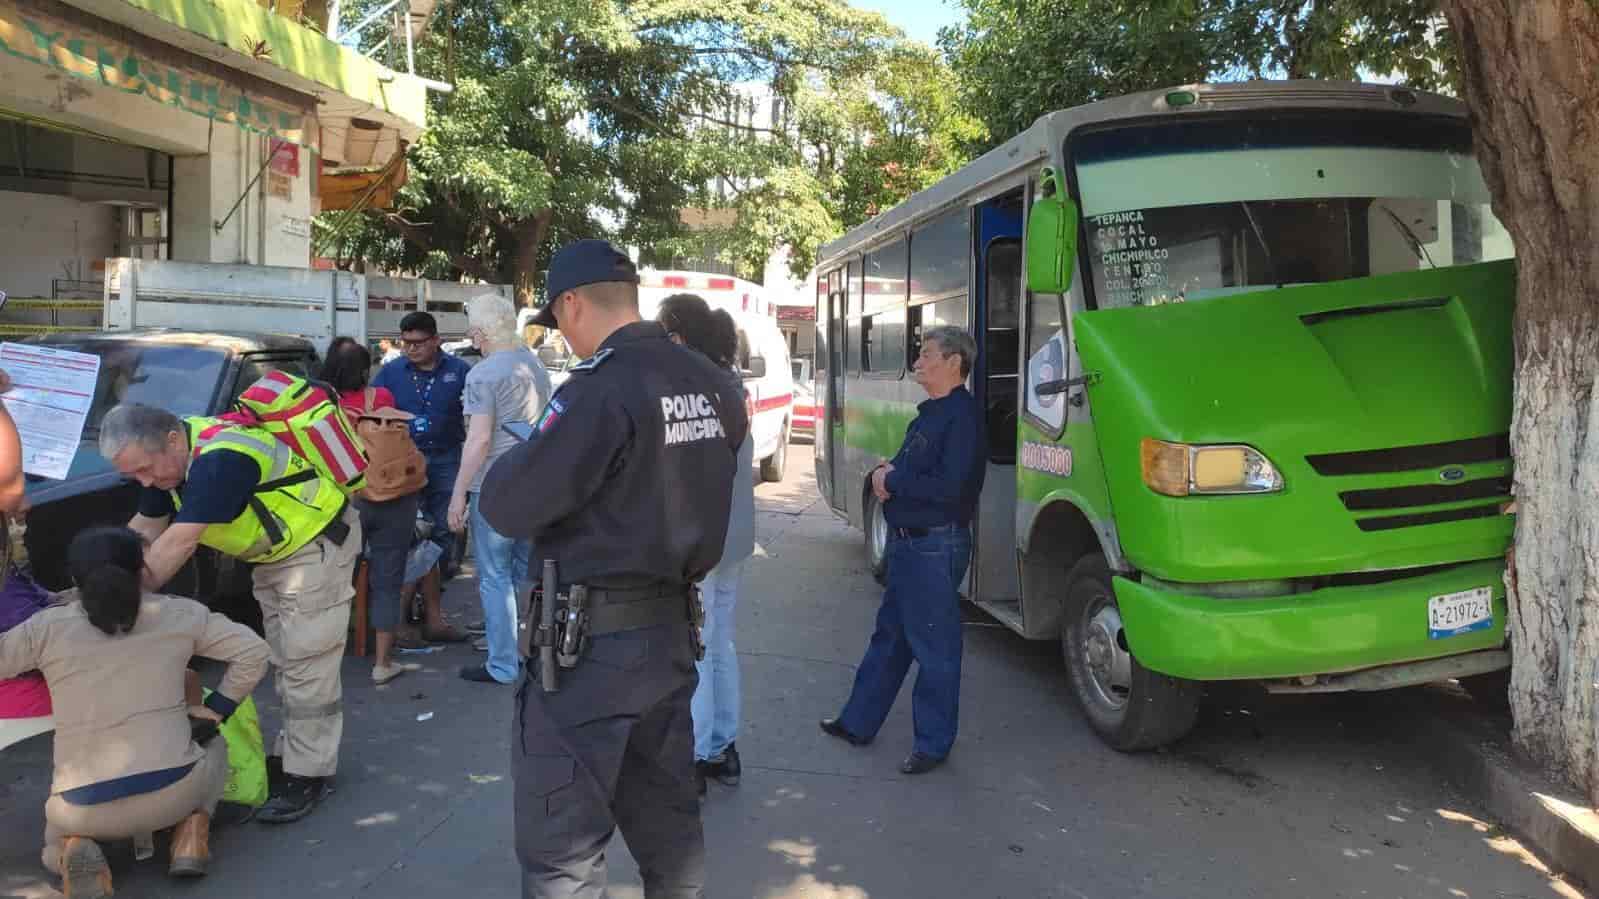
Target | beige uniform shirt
(119,701)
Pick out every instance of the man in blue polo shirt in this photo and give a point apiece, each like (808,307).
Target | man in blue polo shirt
(427,382)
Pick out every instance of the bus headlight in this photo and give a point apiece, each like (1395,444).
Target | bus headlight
(1181,469)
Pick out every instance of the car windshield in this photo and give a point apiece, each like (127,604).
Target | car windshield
(1192,210)
(181,379)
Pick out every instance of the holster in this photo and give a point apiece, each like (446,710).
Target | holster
(696,618)
(567,622)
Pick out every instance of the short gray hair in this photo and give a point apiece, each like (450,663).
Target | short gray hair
(135,423)
(951,339)
(494,316)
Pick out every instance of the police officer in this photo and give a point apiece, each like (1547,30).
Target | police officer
(245,494)
(626,485)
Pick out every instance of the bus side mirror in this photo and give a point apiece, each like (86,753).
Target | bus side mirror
(757,368)
(1051,237)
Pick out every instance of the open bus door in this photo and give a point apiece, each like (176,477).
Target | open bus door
(830,385)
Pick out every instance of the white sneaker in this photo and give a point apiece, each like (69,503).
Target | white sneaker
(382,674)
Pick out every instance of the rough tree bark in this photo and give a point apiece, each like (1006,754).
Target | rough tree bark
(1529,79)
(529,234)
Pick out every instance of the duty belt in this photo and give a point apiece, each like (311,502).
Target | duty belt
(566,621)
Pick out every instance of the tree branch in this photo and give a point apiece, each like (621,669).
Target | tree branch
(417,236)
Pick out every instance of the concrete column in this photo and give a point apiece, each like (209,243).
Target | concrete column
(267,227)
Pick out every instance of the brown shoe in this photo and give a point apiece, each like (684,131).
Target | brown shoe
(191,846)
(84,871)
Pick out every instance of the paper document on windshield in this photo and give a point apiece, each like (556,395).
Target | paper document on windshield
(49,401)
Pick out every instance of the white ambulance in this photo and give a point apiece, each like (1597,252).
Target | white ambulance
(763,353)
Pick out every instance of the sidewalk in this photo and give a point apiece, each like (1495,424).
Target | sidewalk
(1316,797)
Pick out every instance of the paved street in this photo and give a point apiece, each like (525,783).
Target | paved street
(1314,798)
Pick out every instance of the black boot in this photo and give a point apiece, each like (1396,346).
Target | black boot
(293,800)
(725,767)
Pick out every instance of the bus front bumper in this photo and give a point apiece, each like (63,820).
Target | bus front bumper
(1326,631)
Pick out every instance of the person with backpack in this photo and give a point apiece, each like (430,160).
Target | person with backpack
(395,475)
(428,383)
(236,486)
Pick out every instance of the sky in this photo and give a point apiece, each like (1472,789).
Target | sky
(920,19)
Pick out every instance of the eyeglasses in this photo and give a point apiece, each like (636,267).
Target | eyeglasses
(417,344)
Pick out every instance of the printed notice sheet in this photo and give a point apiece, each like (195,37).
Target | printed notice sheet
(49,400)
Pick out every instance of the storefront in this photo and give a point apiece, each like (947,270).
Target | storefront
(191,130)
(798,324)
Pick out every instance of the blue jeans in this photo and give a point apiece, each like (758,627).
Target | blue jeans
(919,620)
(501,566)
(443,466)
(715,705)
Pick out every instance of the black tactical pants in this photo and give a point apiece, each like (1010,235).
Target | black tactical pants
(614,748)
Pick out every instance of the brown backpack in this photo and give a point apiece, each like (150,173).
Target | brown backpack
(396,467)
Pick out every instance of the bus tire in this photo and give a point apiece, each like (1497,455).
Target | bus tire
(876,539)
(1129,706)
(773,466)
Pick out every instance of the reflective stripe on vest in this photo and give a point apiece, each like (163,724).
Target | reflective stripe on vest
(291,504)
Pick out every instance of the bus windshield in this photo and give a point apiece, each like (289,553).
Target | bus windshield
(1192,210)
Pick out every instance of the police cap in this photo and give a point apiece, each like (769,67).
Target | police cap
(580,263)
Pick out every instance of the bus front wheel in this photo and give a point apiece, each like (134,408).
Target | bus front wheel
(876,539)
(1131,707)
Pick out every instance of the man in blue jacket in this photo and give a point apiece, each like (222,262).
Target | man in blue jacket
(929,494)
(427,382)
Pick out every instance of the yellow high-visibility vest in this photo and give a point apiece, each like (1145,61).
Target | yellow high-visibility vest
(290,507)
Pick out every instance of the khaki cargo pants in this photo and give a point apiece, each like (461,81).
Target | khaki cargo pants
(305,607)
(139,815)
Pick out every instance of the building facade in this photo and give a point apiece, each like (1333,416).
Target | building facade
(191,130)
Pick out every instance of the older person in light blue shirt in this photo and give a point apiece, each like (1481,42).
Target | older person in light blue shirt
(691,322)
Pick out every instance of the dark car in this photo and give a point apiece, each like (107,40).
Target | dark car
(189,373)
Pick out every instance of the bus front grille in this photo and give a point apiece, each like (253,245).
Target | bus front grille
(1390,508)
(1413,458)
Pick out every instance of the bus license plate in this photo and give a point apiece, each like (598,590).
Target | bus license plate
(1454,614)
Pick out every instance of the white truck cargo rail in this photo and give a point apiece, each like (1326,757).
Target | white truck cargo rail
(315,304)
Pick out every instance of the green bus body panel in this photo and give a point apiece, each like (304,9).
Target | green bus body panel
(1084,488)
(1326,631)
(1426,359)
(877,427)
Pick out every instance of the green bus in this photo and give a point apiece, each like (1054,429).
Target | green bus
(1245,356)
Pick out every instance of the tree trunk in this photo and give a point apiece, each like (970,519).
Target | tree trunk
(530,236)
(1528,68)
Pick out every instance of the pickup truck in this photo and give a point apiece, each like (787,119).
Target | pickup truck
(189,373)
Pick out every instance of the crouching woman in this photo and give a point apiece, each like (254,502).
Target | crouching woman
(126,761)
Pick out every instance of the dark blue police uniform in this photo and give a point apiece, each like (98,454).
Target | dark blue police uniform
(626,485)
(933,490)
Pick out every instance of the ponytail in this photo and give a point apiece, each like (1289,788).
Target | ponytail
(106,563)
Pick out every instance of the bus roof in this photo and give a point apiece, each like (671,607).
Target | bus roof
(1042,140)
